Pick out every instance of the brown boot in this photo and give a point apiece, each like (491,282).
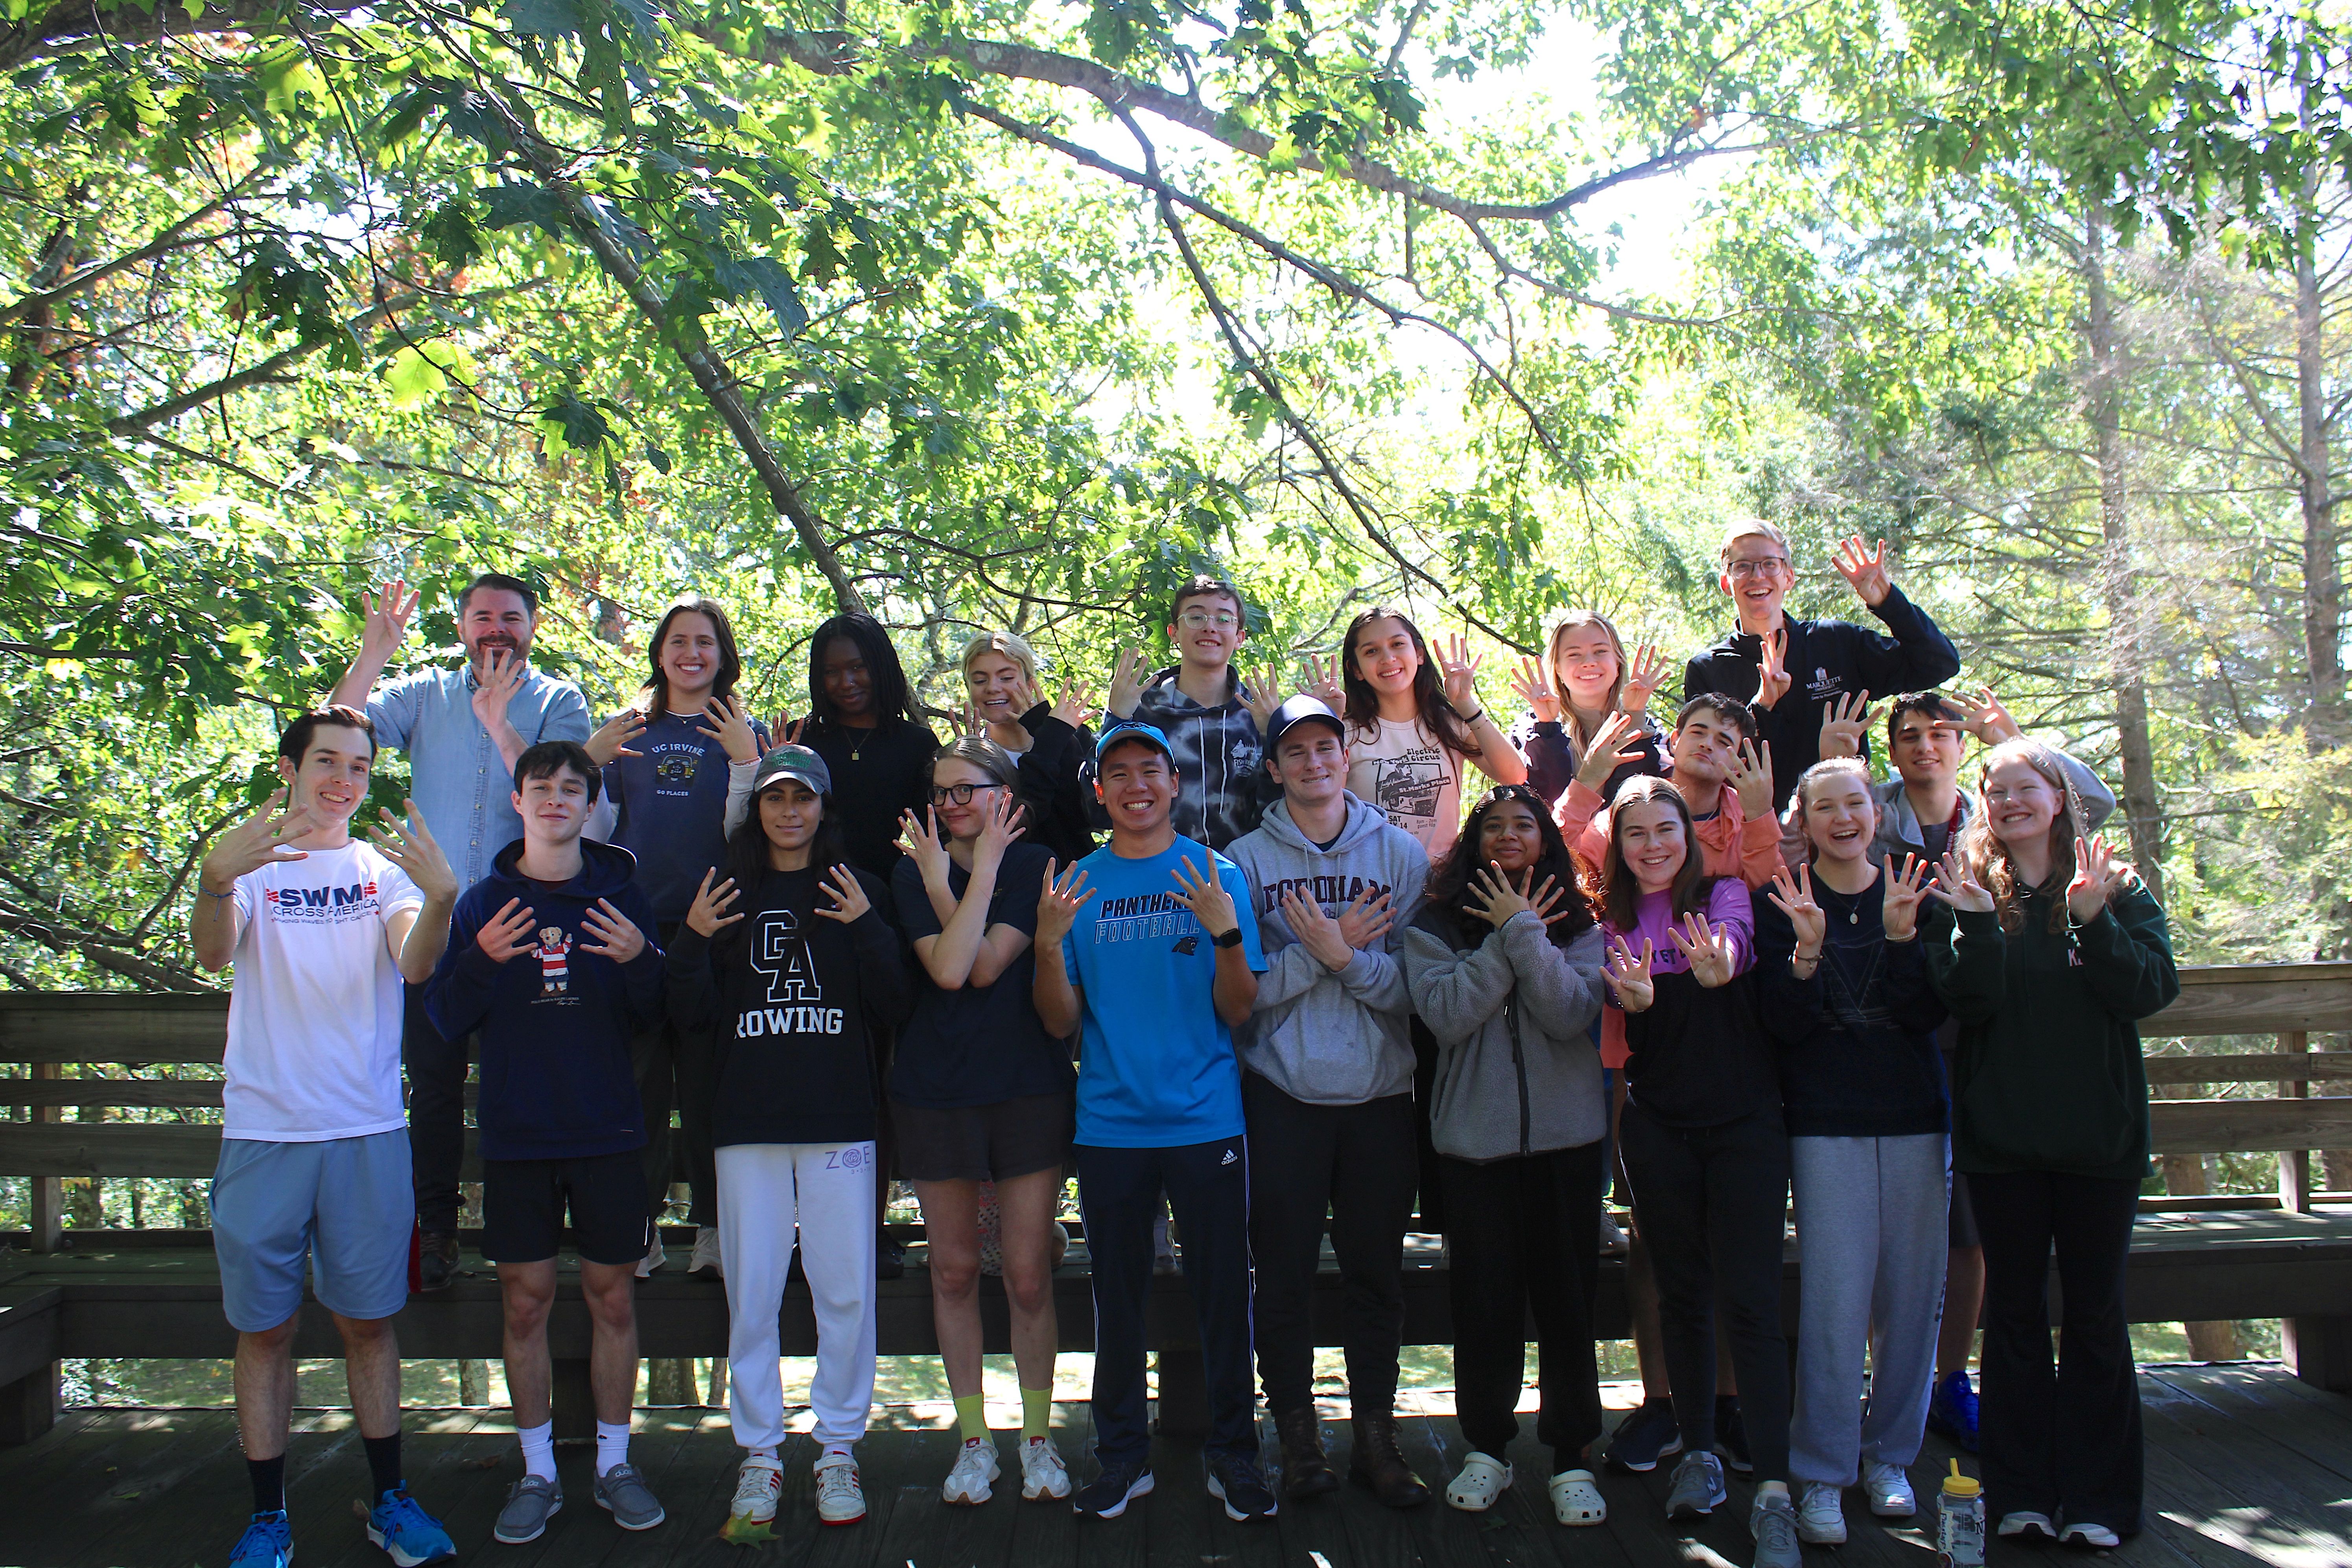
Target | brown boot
(1305,1472)
(1379,1463)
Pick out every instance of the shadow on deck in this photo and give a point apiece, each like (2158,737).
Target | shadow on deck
(2246,1466)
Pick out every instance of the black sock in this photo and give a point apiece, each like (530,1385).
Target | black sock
(269,1483)
(383,1463)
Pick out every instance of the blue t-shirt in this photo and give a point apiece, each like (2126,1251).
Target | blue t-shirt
(672,797)
(1156,1065)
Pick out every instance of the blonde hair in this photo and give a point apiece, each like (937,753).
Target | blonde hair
(1986,858)
(1012,645)
(1751,528)
(1828,768)
(1572,620)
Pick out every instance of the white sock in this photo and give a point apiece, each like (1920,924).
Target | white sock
(765,1451)
(612,1445)
(537,1449)
(833,1448)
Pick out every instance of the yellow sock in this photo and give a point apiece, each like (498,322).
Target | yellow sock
(970,1418)
(1037,1413)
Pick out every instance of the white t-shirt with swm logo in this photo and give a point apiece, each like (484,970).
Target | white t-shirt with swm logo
(314,1012)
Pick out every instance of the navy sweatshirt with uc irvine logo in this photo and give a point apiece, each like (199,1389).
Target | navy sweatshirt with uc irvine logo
(787,998)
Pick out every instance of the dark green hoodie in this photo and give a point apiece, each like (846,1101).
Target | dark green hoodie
(2049,1076)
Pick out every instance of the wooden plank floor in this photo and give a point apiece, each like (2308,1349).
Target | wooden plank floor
(2246,1467)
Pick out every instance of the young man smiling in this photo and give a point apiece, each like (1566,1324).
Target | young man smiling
(548,960)
(1156,978)
(1209,717)
(314,1162)
(1792,670)
(1328,1091)
(464,729)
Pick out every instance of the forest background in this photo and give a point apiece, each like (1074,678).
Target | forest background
(978,313)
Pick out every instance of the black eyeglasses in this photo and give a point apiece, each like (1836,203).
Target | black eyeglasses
(959,793)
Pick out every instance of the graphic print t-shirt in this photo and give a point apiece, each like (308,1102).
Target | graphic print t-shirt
(314,1012)
(1405,771)
(1156,1065)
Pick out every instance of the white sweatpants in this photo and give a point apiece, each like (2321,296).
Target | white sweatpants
(827,1190)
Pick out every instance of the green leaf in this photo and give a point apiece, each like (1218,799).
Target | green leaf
(543,18)
(762,277)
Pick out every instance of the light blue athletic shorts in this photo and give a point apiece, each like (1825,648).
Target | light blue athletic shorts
(345,1205)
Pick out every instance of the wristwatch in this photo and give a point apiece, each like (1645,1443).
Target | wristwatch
(1230,939)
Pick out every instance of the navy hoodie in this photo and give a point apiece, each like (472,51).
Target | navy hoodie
(555,1023)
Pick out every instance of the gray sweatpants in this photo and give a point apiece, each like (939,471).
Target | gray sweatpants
(1870,1227)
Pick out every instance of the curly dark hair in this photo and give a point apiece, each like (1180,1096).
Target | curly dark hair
(1448,887)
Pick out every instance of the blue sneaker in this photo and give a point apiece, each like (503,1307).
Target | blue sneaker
(409,1533)
(267,1543)
(1952,1410)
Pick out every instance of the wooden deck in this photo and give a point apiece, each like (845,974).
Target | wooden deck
(2246,1466)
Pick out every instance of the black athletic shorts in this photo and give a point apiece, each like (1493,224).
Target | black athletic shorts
(523,1203)
(985,1142)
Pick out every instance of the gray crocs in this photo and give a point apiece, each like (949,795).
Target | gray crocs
(530,1503)
(621,1492)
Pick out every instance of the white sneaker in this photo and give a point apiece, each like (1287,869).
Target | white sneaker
(975,1467)
(653,1259)
(1484,1478)
(758,1485)
(706,1252)
(1576,1498)
(1820,1515)
(1890,1491)
(2027,1525)
(2097,1536)
(839,1498)
(1043,1474)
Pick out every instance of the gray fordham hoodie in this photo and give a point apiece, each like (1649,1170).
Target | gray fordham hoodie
(1518,1072)
(1326,1036)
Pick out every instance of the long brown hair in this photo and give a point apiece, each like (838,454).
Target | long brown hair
(1617,891)
(1576,620)
(731,663)
(1448,887)
(1363,709)
(1986,858)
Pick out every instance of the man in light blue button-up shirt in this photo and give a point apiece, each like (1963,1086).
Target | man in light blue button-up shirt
(462,729)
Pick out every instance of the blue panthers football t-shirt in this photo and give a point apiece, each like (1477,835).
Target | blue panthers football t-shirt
(1156,1065)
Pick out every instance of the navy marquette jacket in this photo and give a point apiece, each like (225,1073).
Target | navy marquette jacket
(1825,660)
(555,1020)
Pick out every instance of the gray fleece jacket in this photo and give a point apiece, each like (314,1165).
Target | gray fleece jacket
(1323,1036)
(1518,1072)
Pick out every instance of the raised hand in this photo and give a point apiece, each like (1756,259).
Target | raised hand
(1867,571)
(1985,717)
(1794,897)
(2098,876)
(1629,976)
(1617,742)
(926,843)
(1265,688)
(1459,668)
(386,624)
(408,844)
(999,824)
(1772,678)
(507,932)
(729,723)
(784,729)
(612,737)
(1077,703)
(1899,906)
(708,911)
(259,840)
(973,724)
(1844,721)
(1955,886)
(847,893)
(1059,904)
(1367,919)
(616,935)
(502,676)
(1708,948)
(1326,681)
(1205,897)
(1125,684)
(1642,679)
(1528,685)
(1751,775)
(1317,932)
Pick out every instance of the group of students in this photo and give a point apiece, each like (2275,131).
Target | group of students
(1710,961)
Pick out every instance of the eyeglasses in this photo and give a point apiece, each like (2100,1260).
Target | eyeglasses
(1767,566)
(959,793)
(1202,620)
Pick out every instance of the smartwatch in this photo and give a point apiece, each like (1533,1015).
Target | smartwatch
(1230,939)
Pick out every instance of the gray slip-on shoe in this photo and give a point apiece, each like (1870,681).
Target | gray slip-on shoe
(621,1492)
(530,1503)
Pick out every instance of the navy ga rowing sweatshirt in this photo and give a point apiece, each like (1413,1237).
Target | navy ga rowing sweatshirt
(556,1020)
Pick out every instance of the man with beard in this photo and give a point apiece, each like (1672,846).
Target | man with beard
(464,729)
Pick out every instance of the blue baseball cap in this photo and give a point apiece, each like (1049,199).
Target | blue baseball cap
(1134,730)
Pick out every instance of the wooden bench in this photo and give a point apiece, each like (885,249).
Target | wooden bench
(155,1294)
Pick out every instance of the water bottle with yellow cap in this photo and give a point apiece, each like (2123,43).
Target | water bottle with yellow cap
(1960,1521)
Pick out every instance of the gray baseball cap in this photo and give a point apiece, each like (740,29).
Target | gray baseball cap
(793,762)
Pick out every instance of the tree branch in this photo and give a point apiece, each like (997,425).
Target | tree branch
(166,240)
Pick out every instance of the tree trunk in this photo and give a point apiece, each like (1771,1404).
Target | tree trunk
(669,1380)
(473,1382)
(714,1384)
(2323,574)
